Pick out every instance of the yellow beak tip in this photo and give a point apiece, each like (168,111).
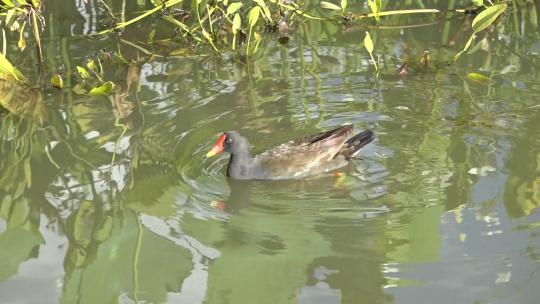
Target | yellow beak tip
(210,154)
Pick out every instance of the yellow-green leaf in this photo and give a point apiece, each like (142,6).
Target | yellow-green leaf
(467,46)
(22,42)
(258,39)
(375,6)
(368,43)
(237,22)
(36,3)
(104,89)
(91,65)
(57,82)
(343,6)
(487,17)
(6,68)
(253,16)
(9,3)
(477,77)
(234,7)
(265,10)
(330,6)
(83,72)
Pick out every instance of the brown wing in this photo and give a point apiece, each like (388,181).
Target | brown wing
(306,155)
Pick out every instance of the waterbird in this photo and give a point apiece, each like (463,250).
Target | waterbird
(306,156)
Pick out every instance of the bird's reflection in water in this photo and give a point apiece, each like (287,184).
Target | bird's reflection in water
(280,196)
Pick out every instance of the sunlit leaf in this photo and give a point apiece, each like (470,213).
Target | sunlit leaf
(104,89)
(257,37)
(91,65)
(487,17)
(83,72)
(253,16)
(477,77)
(57,82)
(368,43)
(8,3)
(330,6)
(375,6)
(237,22)
(343,6)
(265,10)
(7,69)
(234,7)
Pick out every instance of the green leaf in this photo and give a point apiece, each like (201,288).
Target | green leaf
(375,6)
(237,23)
(22,42)
(57,82)
(368,43)
(83,72)
(179,24)
(6,68)
(477,77)
(478,2)
(9,3)
(151,36)
(467,46)
(234,7)
(209,38)
(253,16)
(91,65)
(104,89)
(487,17)
(265,10)
(330,6)
(343,6)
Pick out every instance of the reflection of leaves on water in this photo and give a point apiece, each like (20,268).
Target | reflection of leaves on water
(23,101)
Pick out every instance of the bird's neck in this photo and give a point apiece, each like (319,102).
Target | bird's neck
(240,165)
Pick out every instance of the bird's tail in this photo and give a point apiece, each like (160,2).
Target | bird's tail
(355,143)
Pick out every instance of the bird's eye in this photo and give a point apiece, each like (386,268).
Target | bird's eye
(229,140)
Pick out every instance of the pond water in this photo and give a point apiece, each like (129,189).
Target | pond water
(112,199)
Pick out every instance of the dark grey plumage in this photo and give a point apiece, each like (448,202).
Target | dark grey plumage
(306,156)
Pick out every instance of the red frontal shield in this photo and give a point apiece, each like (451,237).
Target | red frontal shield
(218,146)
